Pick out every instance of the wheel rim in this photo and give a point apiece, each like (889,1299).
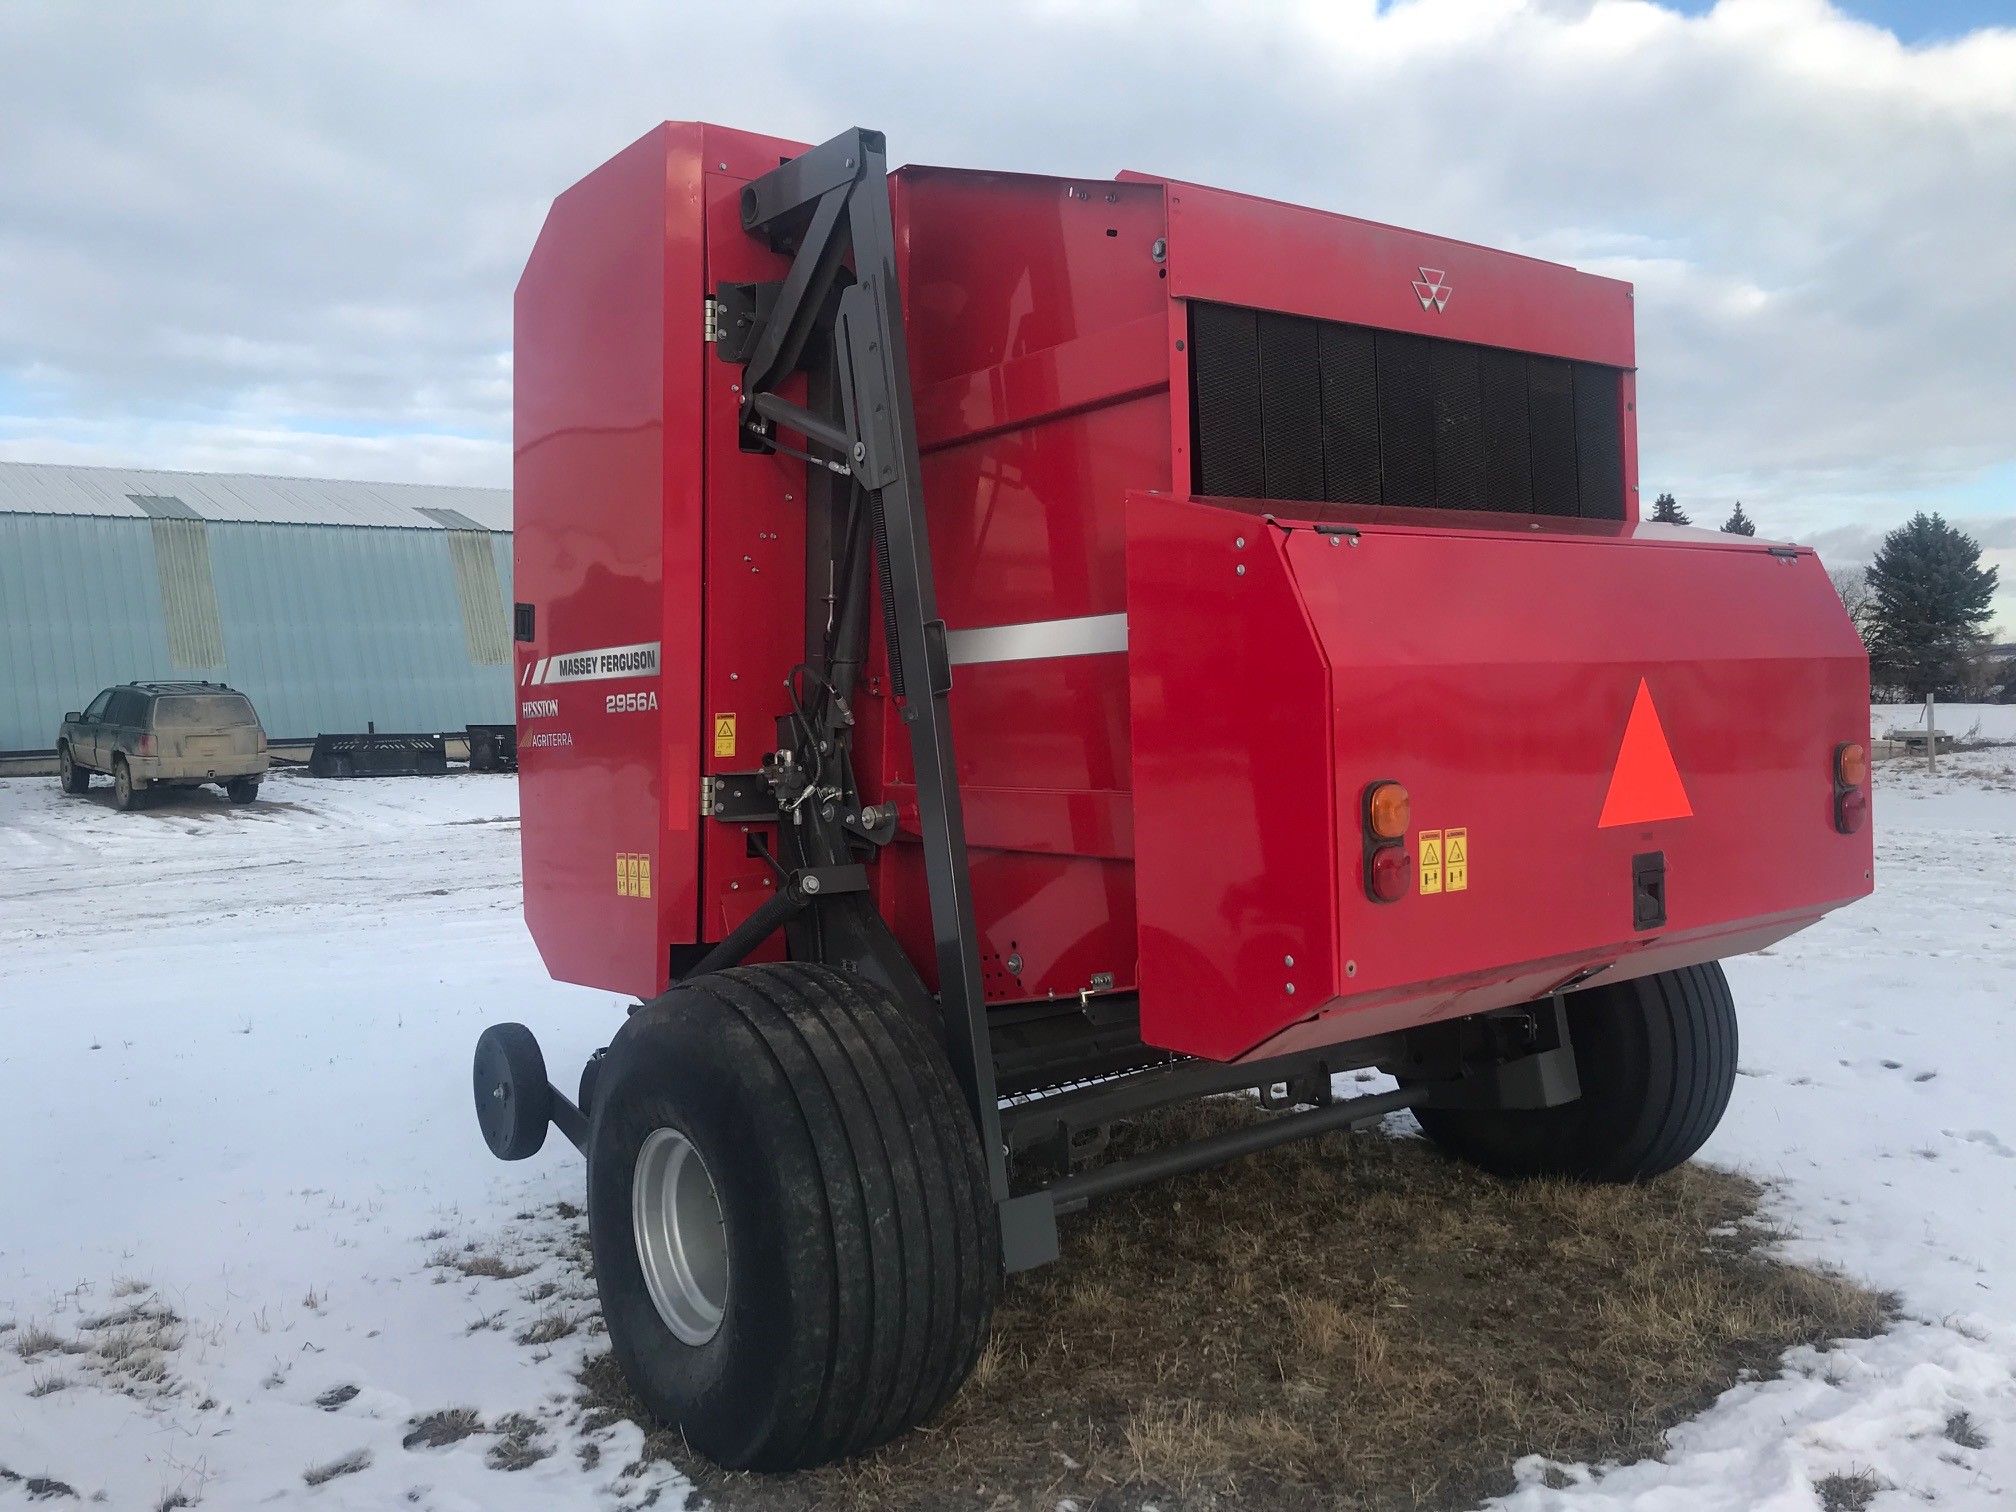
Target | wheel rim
(124,781)
(65,764)
(682,1240)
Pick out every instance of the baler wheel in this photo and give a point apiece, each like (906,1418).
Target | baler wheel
(514,1101)
(1656,1057)
(795,1244)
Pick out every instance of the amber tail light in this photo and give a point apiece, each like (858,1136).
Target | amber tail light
(1389,869)
(1851,788)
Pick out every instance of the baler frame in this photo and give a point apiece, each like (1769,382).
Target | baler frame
(802,1175)
(843,326)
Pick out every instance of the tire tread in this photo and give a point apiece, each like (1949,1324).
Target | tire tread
(1657,1059)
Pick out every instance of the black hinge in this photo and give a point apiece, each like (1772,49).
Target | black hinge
(738,798)
(523,616)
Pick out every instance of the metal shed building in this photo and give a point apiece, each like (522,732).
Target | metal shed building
(330,604)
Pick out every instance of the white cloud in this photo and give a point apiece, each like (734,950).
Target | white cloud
(236,229)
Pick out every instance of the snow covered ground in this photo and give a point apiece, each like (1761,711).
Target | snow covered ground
(248,1229)
(1966,722)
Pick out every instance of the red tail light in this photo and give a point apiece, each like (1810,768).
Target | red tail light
(1851,810)
(146,746)
(1391,873)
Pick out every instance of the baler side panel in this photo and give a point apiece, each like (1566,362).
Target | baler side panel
(606,500)
(1492,668)
(1335,267)
(1036,315)
(755,608)
(1506,716)
(1235,807)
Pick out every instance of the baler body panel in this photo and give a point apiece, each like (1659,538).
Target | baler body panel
(1159,758)
(1038,327)
(611,495)
(1493,668)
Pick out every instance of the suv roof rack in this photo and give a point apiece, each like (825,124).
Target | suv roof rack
(185,686)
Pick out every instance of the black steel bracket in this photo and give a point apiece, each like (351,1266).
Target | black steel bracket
(829,207)
(739,798)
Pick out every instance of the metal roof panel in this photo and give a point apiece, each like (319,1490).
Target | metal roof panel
(48,488)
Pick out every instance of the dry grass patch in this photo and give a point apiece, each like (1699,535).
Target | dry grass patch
(437,1430)
(470,1263)
(1351,1321)
(1847,1493)
(519,1446)
(548,1328)
(349,1464)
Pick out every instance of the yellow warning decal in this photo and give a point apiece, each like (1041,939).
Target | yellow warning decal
(633,875)
(1455,860)
(724,734)
(1431,862)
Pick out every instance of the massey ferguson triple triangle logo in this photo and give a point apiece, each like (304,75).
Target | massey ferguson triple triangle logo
(1431,291)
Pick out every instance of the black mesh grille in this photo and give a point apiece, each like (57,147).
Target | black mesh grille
(1285,407)
(1350,379)
(1225,390)
(1459,428)
(1550,423)
(1291,408)
(1508,450)
(1406,418)
(1599,446)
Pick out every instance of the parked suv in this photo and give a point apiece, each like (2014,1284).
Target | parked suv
(164,734)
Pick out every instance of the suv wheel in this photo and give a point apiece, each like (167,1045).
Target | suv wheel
(75,779)
(125,791)
(242,789)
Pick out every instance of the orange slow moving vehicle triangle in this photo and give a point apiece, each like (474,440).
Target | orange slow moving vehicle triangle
(1645,784)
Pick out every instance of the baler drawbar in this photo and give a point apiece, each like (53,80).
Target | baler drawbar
(1295,690)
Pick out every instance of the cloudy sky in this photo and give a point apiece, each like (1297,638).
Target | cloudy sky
(283,238)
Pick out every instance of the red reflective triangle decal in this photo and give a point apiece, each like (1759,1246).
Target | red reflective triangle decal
(1645,784)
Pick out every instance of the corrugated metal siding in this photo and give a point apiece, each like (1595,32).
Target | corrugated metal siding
(80,608)
(188,595)
(326,627)
(482,595)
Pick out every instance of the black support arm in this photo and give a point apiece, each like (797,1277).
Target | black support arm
(830,206)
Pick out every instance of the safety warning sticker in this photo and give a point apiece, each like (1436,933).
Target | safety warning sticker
(724,734)
(633,875)
(1455,860)
(1431,862)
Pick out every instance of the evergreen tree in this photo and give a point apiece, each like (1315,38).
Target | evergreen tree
(1932,605)
(1739,523)
(1667,512)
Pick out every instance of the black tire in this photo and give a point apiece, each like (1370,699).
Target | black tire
(126,793)
(862,1255)
(75,779)
(242,789)
(514,1101)
(1656,1057)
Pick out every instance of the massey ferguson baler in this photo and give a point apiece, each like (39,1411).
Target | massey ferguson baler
(997,654)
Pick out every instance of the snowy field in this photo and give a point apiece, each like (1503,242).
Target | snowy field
(245,1216)
(1967,722)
